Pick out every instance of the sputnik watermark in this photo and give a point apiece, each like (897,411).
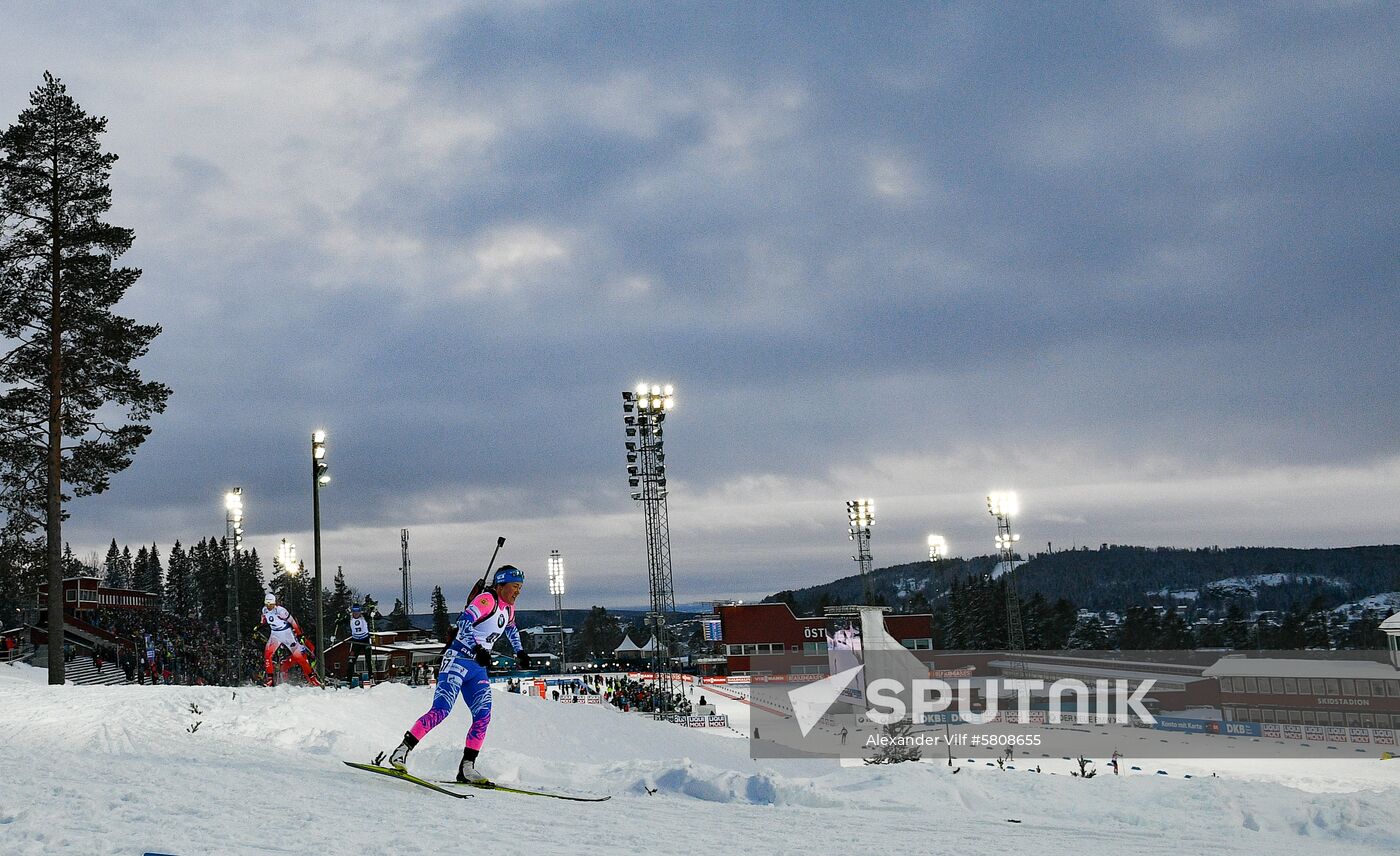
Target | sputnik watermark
(1113,701)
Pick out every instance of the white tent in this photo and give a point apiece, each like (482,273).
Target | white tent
(629,648)
(1391,626)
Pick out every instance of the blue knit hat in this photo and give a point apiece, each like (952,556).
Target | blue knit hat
(508,574)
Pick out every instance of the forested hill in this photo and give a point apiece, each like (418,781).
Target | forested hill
(1113,578)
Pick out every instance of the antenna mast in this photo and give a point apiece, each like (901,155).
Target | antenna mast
(407,569)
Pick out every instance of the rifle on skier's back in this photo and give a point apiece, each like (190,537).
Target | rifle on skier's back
(479,585)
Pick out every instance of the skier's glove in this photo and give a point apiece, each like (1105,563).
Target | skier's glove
(522,660)
(482,657)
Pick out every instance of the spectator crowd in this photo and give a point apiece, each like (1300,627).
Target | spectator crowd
(159,648)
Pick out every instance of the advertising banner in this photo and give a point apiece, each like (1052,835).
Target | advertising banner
(1240,729)
(845,651)
(1196,726)
(711,721)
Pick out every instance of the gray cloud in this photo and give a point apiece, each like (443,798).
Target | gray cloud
(1138,263)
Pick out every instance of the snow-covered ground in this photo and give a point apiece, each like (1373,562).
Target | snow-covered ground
(117,770)
(1318,766)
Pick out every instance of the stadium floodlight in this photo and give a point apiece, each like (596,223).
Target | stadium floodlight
(860,516)
(287,557)
(320,477)
(556,573)
(937,548)
(233,543)
(556,588)
(645,408)
(1003,503)
(320,468)
(233,503)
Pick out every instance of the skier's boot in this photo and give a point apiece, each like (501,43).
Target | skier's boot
(468,774)
(398,759)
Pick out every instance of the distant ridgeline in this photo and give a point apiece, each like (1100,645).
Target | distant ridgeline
(1201,581)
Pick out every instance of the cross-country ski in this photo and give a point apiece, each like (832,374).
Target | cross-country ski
(510,789)
(395,773)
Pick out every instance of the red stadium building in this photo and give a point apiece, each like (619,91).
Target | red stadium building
(82,594)
(767,639)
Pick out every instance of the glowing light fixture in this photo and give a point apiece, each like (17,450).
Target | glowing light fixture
(937,548)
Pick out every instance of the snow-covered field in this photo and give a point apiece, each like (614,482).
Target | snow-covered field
(1317,767)
(117,770)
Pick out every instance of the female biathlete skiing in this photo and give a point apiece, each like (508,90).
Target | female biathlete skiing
(488,617)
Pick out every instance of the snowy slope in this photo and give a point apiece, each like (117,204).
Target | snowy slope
(1384,604)
(115,770)
(1251,584)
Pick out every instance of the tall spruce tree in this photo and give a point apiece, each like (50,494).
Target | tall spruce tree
(338,606)
(251,590)
(21,571)
(1237,629)
(112,570)
(72,566)
(211,572)
(153,577)
(181,598)
(138,567)
(598,637)
(73,407)
(398,619)
(442,621)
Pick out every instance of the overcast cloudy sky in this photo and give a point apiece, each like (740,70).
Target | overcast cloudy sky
(1139,262)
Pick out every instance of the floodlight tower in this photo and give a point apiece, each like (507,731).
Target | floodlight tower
(1003,505)
(287,557)
(320,477)
(556,588)
(860,514)
(937,548)
(644,410)
(233,542)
